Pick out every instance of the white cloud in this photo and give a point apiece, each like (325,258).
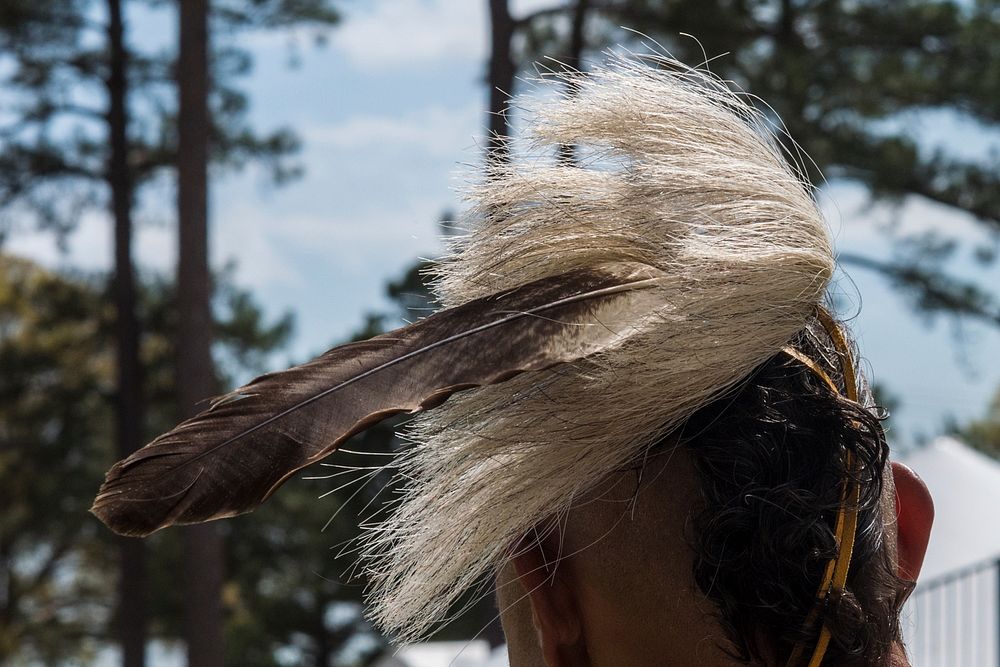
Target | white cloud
(857,221)
(388,233)
(247,236)
(404,33)
(90,246)
(279,250)
(438,131)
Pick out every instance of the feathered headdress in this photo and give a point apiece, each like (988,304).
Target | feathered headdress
(591,309)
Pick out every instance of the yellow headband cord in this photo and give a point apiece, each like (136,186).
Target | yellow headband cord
(845,528)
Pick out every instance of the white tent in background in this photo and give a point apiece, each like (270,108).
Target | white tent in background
(965,485)
(952,618)
(475,653)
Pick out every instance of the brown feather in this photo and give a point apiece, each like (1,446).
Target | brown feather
(233,456)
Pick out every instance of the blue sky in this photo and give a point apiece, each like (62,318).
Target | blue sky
(389,111)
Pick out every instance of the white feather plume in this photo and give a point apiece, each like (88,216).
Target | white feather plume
(677,173)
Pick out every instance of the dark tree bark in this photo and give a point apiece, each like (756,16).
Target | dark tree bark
(574,59)
(577,35)
(324,649)
(501,76)
(501,86)
(203,546)
(132,585)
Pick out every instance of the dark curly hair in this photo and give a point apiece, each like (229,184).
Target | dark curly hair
(770,458)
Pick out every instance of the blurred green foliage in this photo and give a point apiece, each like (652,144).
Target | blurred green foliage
(292,593)
(55,377)
(984,433)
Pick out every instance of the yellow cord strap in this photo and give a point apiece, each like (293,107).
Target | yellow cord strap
(845,528)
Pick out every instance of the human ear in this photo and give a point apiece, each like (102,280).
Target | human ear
(914,516)
(554,610)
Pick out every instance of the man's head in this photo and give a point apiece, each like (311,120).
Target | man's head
(710,549)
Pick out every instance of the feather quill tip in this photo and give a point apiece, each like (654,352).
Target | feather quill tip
(124,510)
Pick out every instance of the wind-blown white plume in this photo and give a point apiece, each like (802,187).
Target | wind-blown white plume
(679,175)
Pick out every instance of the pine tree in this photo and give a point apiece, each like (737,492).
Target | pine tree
(57,574)
(846,79)
(64,154)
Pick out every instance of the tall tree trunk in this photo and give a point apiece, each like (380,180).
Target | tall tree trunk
(323,647)
(501,86)
(501,77)
(132,585)
(203,546)
(574,59)
(578,34)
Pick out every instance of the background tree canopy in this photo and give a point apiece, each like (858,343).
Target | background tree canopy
(848,81)
(89,126)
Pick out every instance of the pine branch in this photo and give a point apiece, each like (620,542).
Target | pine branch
(933,292)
